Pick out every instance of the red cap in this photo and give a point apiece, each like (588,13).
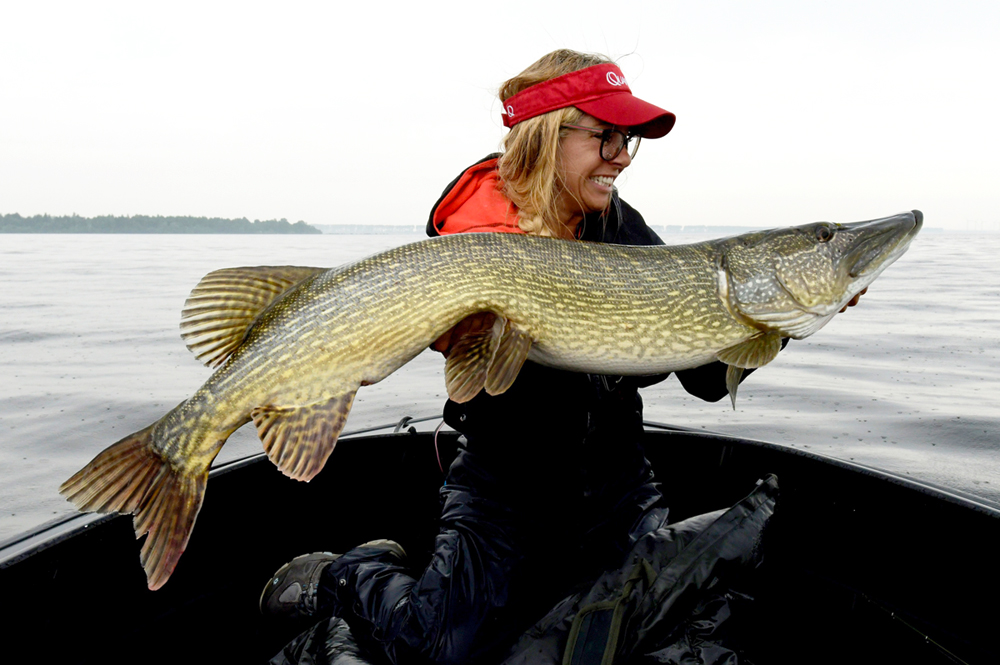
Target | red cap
(600,91)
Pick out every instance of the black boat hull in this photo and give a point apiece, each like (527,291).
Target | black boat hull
(859,566)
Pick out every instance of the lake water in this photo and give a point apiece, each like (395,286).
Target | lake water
(908,381)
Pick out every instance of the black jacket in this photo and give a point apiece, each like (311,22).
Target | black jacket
(551,489)
(565,406)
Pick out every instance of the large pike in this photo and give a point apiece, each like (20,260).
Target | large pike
(293,345)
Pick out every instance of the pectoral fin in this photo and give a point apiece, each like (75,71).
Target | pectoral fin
(510,355)
(299,439)
(469,360)
(757,351)
(220,310)
(733,374)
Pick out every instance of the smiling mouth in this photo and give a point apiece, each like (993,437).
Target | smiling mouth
(604,180)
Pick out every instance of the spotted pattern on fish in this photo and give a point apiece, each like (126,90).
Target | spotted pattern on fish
(294,344)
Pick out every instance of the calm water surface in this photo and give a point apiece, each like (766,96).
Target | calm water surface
(908,381)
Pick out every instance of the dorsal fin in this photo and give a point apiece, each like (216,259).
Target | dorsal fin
(220,310)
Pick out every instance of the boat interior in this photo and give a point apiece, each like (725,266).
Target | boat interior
(859,565)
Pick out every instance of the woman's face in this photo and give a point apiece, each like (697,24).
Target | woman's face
(588,179)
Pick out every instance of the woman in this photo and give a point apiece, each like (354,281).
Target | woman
(552,487)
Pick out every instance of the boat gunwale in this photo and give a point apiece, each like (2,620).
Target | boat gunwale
(52,533)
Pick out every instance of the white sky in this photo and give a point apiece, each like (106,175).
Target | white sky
(361,112)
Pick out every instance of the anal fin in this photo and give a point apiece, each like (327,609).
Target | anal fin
(300,438)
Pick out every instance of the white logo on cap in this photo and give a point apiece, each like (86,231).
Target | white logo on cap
(510,111)
(615,80)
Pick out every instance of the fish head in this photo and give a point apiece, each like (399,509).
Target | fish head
(793,280)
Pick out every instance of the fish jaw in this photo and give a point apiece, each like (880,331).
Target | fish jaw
(887,240)
(793,281)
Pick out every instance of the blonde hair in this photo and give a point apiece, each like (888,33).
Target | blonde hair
(529,170)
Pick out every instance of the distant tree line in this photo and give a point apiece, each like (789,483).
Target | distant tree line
(144,224)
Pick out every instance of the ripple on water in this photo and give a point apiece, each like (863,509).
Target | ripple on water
(907,381)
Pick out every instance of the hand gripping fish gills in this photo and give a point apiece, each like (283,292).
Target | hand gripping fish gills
(292,345)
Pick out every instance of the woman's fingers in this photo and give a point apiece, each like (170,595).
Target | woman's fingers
(472,323)
(854,301)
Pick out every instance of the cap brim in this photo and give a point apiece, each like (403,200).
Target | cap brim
(627,110)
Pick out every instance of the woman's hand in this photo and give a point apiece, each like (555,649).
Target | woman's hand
(855,299)
(483,320)
(472,323)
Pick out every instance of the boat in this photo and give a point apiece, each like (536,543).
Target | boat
(860,565)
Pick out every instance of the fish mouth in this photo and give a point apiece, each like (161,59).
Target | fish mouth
(880,243)
(876,245)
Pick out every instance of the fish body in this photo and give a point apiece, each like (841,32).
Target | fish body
(294,344)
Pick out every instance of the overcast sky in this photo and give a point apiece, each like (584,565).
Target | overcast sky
(361,112)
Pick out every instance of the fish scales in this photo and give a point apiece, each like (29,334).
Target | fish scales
(294,344)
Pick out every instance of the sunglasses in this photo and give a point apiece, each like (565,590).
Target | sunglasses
(613,141)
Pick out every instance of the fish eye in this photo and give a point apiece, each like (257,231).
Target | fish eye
(823,233)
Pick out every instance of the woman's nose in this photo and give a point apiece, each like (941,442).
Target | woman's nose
(623,159)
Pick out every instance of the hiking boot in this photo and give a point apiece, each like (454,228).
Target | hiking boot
(390,546)
(292,591)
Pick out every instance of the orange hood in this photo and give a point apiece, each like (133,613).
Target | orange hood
(475,205)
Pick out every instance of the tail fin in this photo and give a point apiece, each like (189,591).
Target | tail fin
(130,477)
